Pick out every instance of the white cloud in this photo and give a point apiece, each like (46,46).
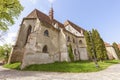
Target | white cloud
(11,38)
(51,1)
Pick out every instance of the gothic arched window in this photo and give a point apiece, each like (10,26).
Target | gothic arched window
(73,40)
(80,41)
(45,49)
(46,33)
(28,33)
(68,39)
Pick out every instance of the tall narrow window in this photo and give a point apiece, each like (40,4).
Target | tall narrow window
(68,39)
(46,33)
(80,41)
(45,49)
(28,33)
(73,40)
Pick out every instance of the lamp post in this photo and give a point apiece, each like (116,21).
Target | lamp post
(93,50)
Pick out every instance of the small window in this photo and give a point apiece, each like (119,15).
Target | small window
(73,40)
(46,33)
(68,39)
(80,41)
(45,49)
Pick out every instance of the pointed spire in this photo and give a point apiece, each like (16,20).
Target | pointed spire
(51,13)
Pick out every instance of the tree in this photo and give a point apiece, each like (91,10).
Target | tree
(104,51)
(70,51)
(96,44)
(115,46)
(9,10)
(89,43)
(100,49)
(5,51)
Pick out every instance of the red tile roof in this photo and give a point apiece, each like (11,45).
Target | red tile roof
(119,46)
(43,17)
(107,44)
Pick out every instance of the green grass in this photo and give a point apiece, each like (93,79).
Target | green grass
(79,66)
(13,66)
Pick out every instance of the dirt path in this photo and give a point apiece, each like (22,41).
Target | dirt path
(112,73)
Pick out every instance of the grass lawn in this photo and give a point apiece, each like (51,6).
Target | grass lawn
(13,66)
(79,66)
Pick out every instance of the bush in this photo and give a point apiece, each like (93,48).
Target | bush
(70,51)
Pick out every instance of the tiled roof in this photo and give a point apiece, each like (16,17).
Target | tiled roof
(78,28)
(43,17)
(107,44)
(119,46)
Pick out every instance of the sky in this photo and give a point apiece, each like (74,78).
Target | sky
(103,15)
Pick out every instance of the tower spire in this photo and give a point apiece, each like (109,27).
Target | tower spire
(51,12)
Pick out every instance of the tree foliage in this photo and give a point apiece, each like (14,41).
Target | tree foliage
(115,46)
(70,51)
(89,43)
(5,51)
(95,45)
(9,10)
(100,49)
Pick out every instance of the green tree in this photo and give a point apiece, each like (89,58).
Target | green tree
(70,51)
(5,51)
(89,44)
(104,51)
(9,10)
(115,46)
(100,49)
(96,44)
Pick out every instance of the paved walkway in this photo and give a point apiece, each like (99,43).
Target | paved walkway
(112,73)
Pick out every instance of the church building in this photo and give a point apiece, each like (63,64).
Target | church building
(42,39)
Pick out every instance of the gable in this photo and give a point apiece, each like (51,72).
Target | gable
(73,30)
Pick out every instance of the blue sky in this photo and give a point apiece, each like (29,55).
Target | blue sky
(103,15)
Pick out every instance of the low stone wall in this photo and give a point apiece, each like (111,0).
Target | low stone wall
(83,53)
(36,58)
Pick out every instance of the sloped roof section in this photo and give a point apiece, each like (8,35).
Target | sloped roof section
(119,46)
(107,44)
(78,28)
(33,14)
(43,17)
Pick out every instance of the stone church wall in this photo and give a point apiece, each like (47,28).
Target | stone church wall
(36,54)
(78,46)
(111,53)
(18,50)
(83,53)
(32,51)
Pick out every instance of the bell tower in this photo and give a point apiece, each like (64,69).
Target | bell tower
(51,14)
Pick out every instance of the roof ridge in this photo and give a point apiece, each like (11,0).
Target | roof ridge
(37,12)
(75,24)
(107,44)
